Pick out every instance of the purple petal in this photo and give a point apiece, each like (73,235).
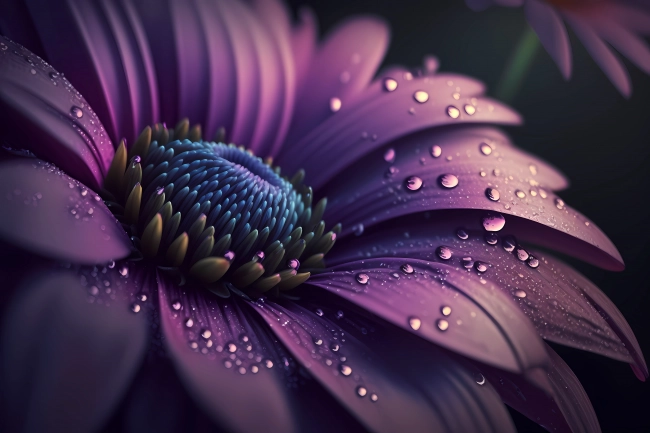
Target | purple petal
(68,362)
(563,305)
(624,41)
(442,304)
(551,32)
(635,18)
(303,44)
(378,116)
(222,358)
(380,398)
(478,159)
(45,211)
(601,53)
(566,409)
(342,68)
(110,63)
(43,113)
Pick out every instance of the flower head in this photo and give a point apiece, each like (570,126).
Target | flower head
(133,245)
(599,24)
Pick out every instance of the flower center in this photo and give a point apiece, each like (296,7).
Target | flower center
(215,213)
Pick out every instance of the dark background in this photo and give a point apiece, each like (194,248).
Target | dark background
(600,140)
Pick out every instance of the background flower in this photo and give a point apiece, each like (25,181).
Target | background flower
(598,24)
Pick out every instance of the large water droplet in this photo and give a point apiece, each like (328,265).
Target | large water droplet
(470,109)
(522,254)
(390,84)
(206,333)
(361,391)
(335,104)
(448,181)
(363,279)
(413,183)
(76,112)
(406,268)
(453,112)
(532,262)
(462,234)
(480,267)
(485,149)
(415,323)
(135,307)
(442,324)
(520,293)
(445,310)
(421,96)
(189,322)
(491,238)
(444,252)
(492,194)
(345,370)
(493,222)
(520,194)
(436,151)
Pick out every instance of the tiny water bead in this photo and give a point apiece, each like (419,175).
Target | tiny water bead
(363,279)
(520,194)
(436,151)
(532,262)
(415,323)
(442,324)
(559,203)
(448,181)
(413,183)
(485,149)
(445,310)
(361,391)
(216,214)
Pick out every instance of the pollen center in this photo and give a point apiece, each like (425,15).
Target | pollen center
(216,214)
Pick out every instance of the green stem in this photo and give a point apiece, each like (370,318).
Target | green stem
(518,66)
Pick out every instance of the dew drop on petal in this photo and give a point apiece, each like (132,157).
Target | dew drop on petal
(533,169)
(189,322)
(493,222)
(413,183)
(509,243)
(390,84)
(522,254)
(448,181)
(543,193)
(206,333)
(389,155)
(335,104)
(319,312)
(436,151)
(76,112)
(406,268)
(520,293)
(485,149)
(480,267)
(334,347)
(363,279)
(462,234)
(176,305)
(415,323)
(374,397)
(533,262)
(421,96)
(268,363)
(445,310)
(357,229)
(232,347)
(520,194)
(467,262)
(479,378)
(345,370)
(559,203)
(227,363)
(453,112)
(361,391)
(470,109)
(444,252)
(491,238)
(442,324)
(135,307)
(492,194)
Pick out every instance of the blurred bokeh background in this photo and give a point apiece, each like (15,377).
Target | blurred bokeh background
(600,140)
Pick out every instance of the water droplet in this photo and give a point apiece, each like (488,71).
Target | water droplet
(135,307)
(206,333)
(520,293)
(421,96)
(444,252)
(467,262)
(533,262)
(334,347)
(492,194)
(76,112)
(543,193)
(258,256)
(406,268)
(533,169)
(357,229)
(491,238)
(485,149)
(496,172)
(442,324)
(415,323)
(232,347)
(229,255)
(339,314)
(319,312)
(470,109)
(293,264)
(345,370)
(390,84)
(242,370)
(448,180)
(520,194)
(189,322)
(522,254)
(408,76)
(436,151)
(374,397)
(509,243)
(462,234)
(268,363)
(318,341)
(479,378)
(361,391)
(389,155)
(363,279)
(227,363)
(413,183)
(453,112)
(559,203)
(254,369)
(480,267)
(493,222)
(445,310)
(335,104)
(176,305)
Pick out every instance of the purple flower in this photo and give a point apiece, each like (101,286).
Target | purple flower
(598,24)
(171,248)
